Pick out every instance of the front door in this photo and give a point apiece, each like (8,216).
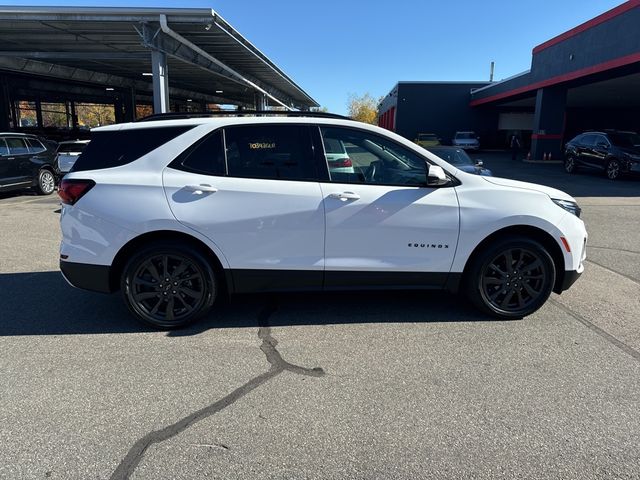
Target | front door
(259,202)
(384,226)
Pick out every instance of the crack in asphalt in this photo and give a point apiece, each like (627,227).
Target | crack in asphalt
(613,249)
(278,365)
(597,330)
(628,277)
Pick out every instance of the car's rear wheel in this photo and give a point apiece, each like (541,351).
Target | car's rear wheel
(46,182)
(511,278)
(168,285)
(570,165)
(613,169)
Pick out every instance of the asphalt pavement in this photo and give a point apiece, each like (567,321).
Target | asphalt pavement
(402,385)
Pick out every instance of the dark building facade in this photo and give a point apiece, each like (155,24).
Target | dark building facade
(586,78)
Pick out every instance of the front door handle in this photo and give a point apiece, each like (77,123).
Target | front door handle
(200,189)
(344,196)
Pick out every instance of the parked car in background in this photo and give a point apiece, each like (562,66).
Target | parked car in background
(466,140)
(460,159)
(67,153)
(337,157)
(233,204)
(614,152)
(427,140)
(25,162)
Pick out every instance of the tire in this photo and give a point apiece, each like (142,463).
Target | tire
(188,295)
(46,182)
(613,170)
(490,284)
(570,165)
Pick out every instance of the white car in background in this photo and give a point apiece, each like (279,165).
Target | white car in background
(178,212)
(466,140)
(67,153)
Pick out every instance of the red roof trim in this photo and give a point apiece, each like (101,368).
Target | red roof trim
(614,12)
(601,67)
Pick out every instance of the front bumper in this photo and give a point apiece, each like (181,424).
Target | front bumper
(96,278)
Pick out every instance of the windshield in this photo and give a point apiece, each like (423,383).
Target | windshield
(454,156)
(466,136)
(626,139)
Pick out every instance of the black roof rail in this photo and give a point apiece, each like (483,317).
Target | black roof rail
(239,113)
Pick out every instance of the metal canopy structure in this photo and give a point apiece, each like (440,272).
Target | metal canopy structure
(193,53)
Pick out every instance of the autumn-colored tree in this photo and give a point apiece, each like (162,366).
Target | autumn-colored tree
(95,114)
(363,108)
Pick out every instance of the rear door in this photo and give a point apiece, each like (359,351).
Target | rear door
(253,191)
(600,151)
(385,227)
(6,165)
(19,158)
(585,149)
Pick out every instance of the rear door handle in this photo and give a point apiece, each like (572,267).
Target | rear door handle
(200,189)
(344,196)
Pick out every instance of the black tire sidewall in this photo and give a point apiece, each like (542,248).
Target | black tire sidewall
(170,248)
(473,282)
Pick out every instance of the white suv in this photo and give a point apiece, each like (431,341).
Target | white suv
(176,213)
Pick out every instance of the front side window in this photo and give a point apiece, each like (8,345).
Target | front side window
(372,159)
(17,146)
(588,140)
(35,146)
(280,152)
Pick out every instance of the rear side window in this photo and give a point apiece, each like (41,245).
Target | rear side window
(35,146)
(281,152)
(205,157)
(17,146)
(3,147)
(115,148)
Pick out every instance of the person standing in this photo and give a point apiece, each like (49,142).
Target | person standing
(515,146)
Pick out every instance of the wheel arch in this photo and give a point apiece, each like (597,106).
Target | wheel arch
(534,233)
(133,245)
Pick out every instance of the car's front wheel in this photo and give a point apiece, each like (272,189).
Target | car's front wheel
(168,285)
(570,165)
(613,169)
(511,278)
(46,182)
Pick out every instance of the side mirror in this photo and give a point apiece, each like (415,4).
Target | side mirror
(436,176)
(602,145)
(479,163)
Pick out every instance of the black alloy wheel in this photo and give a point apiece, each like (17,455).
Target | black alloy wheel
(168,287)
(570,164)
(613,169)
(46,182)
(512,279)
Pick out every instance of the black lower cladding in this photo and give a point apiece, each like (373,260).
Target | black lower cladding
(247,280)
(87,276)
(570,277)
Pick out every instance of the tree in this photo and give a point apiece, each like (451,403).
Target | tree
(319,109)
(363,108)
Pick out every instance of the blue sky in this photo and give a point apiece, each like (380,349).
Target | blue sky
(332,48)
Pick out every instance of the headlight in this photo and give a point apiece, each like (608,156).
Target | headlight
(571,207)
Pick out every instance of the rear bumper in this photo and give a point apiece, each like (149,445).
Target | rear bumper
(86,276)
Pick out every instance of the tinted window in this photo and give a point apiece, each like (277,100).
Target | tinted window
(118,147)
(588,140)
(627,139)
(71,147)
(17,146)
(3,147)
(373,159)
(270,151)
(454,156)
(601,139)
(35,146)
(206,156)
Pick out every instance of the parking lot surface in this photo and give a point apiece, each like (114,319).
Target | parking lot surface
(356,385)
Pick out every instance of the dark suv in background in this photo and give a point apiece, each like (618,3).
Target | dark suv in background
(614,152)
(26,161)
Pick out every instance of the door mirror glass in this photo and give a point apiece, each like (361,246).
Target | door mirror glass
(436,176)
(602,145)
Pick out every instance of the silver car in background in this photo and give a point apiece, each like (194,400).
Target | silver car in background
(67,154)
(466,140)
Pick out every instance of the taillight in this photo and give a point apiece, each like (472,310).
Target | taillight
(70,191)
(343,162)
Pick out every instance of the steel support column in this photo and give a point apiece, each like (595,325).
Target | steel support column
(261,101)
(160,82)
